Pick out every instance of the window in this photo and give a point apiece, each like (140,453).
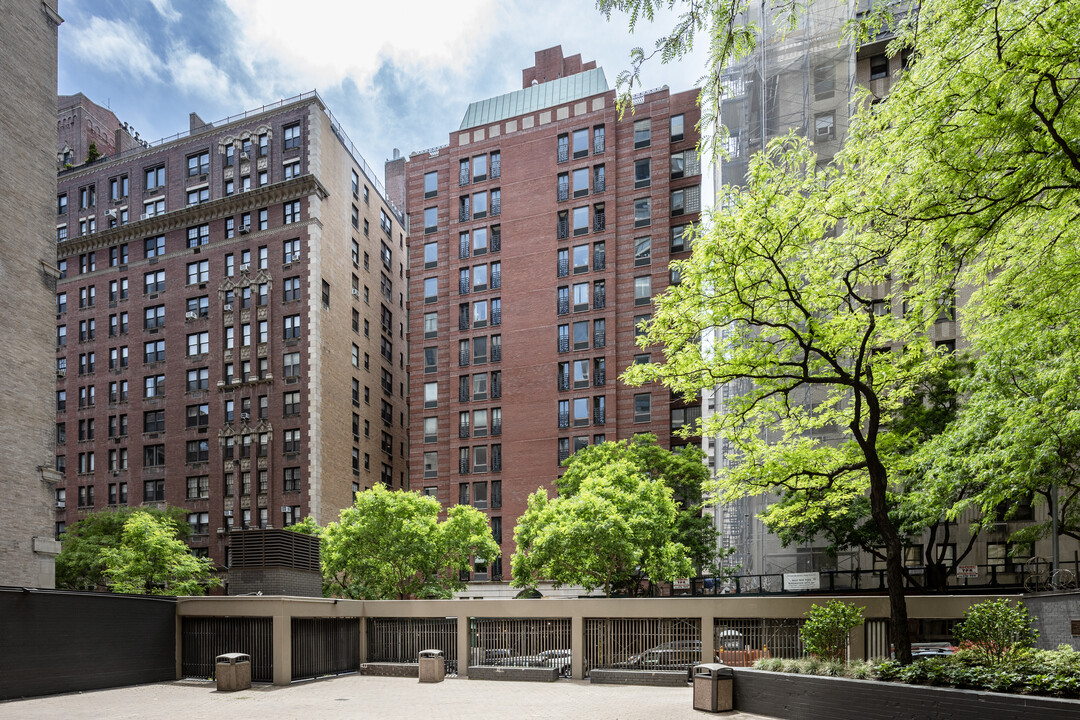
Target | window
(198,272)
(431,220)
(879,67)
(679,243)
(581,296)
(431,325)
(198,164)
(154,386)
(154,247)
(155,177)
(642,290)
(200,306)
(198,344)
(198,451)
(480,205)
(642,251)
(292,441)
(325,294)
(581,143)
(198,379)
(642,173)
(153,351)
(479,386)
(431,289)
(563,148)
(581,220)
(581,335)
(677,132)
(292,212)
(198,416)
(154,317)
(291,363)
(197,196)
(292,136)
(153,282)
(824,81)
(292,289)
(431,394)
(642,133)
(292,327)
(642,212)
(642,407)
(154,490)
(581,182)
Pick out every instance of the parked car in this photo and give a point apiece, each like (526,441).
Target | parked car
(548,658)
(923,650)
(675,655)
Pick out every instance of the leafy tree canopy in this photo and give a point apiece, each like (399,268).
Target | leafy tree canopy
(392,545)
(613,527)
(150,560)
(80,565)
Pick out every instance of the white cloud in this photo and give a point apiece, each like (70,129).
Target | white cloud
(114,47)
(322,44)
(166,10)
(194,74)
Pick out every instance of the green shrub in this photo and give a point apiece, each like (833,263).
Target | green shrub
(996,628)
(885,670)
(770,664)
(859,670)
(833,668)
(825,632)
(810,666)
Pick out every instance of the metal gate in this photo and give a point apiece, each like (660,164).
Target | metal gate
(740,642)
(642,643)
(204,638)
(400,640)
(325,646)
(521,642)
(878,644)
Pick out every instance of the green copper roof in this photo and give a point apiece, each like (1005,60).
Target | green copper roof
(565,89)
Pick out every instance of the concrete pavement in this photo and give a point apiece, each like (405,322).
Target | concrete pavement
(376,698)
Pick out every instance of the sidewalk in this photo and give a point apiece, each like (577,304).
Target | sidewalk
(362,697)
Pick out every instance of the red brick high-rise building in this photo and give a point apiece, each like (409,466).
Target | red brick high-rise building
(230,326)
(540,235)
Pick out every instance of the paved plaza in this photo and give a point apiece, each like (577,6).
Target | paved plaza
(362,697)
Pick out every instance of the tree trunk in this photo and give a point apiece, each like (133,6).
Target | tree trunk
(894,566)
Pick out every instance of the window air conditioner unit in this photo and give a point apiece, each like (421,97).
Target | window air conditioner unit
(144,216)
(296,256)
(227,307)
(356,293)
(111,212)
(284,508)
(245,417)
(245,229)
(228,513)
(61,373)
(245,267)
(60,504)
(221,531)
(192,316)
(244,155)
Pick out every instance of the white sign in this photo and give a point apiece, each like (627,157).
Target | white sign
(681,583)
(967,571)
(802,581)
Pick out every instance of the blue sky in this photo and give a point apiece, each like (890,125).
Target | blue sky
(397,74)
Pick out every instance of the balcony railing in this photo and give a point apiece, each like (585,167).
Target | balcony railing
(463,322)
(598,144)
(496,465)
(564,419)
(598,184)
(563,192)
(598,339)
(598,416)
(599,260)
(463,358)
(463,213)
(598,299)
(564,344)
(563,154)
(563,306)
(563,454)
(463,286)
(463,431)
(496,241)
(496,353)
(599,377)
(463,394)
(598,222)
(563,230)
(463,248)
(563,268)
(564,381)
(496,317)
(496,278)
(496,167)
(463,467)
(496,428)
(496,206)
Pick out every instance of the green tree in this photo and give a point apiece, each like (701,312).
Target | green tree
(150,560)
(392,545)
(80,565)
(683,470)
(92,153)
(827,627)
(615,526)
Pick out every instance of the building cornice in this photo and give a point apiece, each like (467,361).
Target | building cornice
(196,214)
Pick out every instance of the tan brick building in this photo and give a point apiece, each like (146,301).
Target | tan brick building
(230,326)
(28,276)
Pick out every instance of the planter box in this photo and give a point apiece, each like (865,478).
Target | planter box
(388,669)
(803,697)
(661,678)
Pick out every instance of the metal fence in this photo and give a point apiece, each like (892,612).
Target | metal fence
(742,641)
(642,643)
(324,646)
(204,638)
(400,640)
(521,642)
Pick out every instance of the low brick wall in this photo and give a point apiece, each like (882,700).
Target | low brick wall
(388,669)
(661,678)
(528,674)
(807,697)
(1055,614)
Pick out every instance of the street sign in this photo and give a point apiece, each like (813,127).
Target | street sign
(681,583)
(967,571)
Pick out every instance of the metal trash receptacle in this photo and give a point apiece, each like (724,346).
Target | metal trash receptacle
(713,687)
(432,666)
(233,672)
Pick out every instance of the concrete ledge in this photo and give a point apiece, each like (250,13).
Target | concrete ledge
(656,678)
(527,674)
(387,669)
